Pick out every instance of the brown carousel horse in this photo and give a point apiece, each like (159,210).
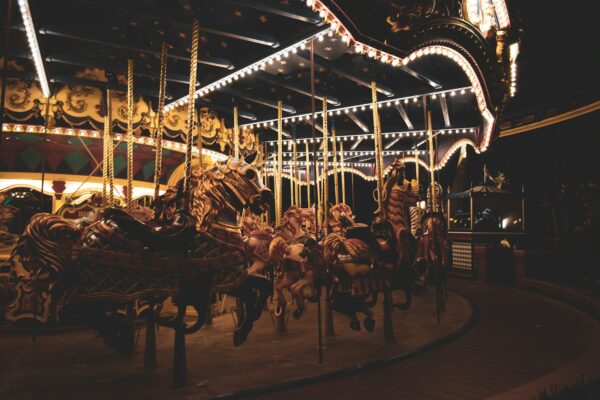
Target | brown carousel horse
(289,252)
(193,246)
(433,250)
(396,246)
(349,277)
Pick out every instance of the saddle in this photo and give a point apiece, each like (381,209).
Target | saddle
(175,236)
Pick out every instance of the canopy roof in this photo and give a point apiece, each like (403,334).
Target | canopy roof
(256,52)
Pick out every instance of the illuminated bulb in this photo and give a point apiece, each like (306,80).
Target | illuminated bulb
(321,38)
(384,58)
(452,93)
(405,101)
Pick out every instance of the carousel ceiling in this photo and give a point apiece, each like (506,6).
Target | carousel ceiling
(254,53)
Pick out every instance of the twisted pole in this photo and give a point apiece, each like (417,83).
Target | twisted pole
(192,108)
(162,86)
(130,112)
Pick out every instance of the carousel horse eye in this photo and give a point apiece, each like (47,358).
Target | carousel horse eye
(251,174)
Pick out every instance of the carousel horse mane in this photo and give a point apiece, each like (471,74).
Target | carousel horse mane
(44,245)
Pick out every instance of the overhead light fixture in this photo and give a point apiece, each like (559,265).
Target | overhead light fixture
(34,47)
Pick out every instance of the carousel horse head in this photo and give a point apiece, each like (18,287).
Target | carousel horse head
(340,217)
(397,170)
(46,245)
(221,192)
(245,188)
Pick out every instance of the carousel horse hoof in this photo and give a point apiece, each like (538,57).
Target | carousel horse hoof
(298,313)
(369,324)
(240,335)
(355,325)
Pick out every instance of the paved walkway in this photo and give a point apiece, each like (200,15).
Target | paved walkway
(522,342)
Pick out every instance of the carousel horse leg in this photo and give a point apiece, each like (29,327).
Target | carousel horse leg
(150,345)
(179,359)
(388,328)
(329,327)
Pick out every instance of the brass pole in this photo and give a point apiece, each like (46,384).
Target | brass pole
(162,86)
(378,147)
(191,108)
(105,144)
(130,110)
(431,162)
(236,134)
(325,187)
(335,169)
(296,176)
(343,170)
(111,150)
(313,120)
(307,158)
(278,194)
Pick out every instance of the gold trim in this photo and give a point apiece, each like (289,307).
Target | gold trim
(552,120)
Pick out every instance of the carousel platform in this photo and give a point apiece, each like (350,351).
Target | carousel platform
(78,365)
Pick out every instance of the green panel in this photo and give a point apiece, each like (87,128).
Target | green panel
(148,170)
(31,157)
(76,160)
(29,138)
(120,164)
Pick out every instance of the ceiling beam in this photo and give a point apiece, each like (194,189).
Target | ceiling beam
(404,115)
(258,100)
(280,82)
(206,60)
(273,7)
(166,12)
(444,106)
(105,85)
(423,78)
(70,60)
(283,132)
(343,72)
(358,121)
(226,111)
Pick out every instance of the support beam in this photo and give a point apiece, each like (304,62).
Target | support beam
(132,12)
(288,11)
(390,144)
(404,115)
(358,122)
(355,145)
(264,76)
(70,60)
(444,106)
(343,72)
(206,60)
(284,133)
(225,110)
(423,78)
(104,85)
(258,100)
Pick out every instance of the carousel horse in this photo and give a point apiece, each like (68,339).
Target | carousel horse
(347,256)
(396,246)
(193,246)
(433,250)
(290,253)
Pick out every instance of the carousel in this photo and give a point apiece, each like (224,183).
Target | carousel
(159,160)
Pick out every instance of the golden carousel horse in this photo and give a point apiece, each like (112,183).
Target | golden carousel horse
(290,253)
(193,246)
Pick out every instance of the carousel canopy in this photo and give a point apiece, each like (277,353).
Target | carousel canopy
(454,60)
